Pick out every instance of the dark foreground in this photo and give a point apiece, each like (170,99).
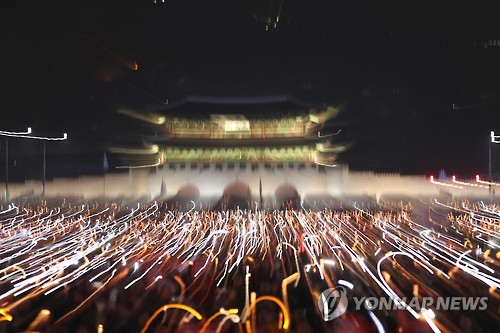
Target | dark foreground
(108,267)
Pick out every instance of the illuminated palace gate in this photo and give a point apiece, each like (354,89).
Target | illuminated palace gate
(267,143)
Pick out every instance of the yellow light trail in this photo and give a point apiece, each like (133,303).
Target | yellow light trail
(171,306)
(284,310)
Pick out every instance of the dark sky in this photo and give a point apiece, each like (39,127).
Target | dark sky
(398,67)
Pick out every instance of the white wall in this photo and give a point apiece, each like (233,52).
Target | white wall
(211,182)
(112,185)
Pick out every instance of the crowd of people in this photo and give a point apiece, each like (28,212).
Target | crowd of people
(113,267)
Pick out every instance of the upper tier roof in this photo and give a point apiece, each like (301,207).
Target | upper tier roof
(268,106)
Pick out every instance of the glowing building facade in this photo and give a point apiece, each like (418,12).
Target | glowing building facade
(277,130)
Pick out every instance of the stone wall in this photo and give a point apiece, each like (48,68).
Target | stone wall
(211,181)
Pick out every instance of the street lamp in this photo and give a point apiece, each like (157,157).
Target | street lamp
(26,135)
(7,134)
(494,139)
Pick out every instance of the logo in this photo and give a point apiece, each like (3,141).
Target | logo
(419,304)
(332,303)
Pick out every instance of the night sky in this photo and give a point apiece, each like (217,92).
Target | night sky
(419,89)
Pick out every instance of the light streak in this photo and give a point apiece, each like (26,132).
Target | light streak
(378,324)
(247,295)
(324,164)
(284,287)
(454,180)
(158,162)
(286,322)
(478,179)
(26,136)
(4,315)
(221,312)
(428,316)
(132,66)
(46,249)
(346,283)
(494,138)
(444,184)
(171,306)
(86,300)
(328,135)
(27,132)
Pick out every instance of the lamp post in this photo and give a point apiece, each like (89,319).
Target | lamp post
(494,139)
(6,169)
(44,169)
(7,134)
(27,135)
